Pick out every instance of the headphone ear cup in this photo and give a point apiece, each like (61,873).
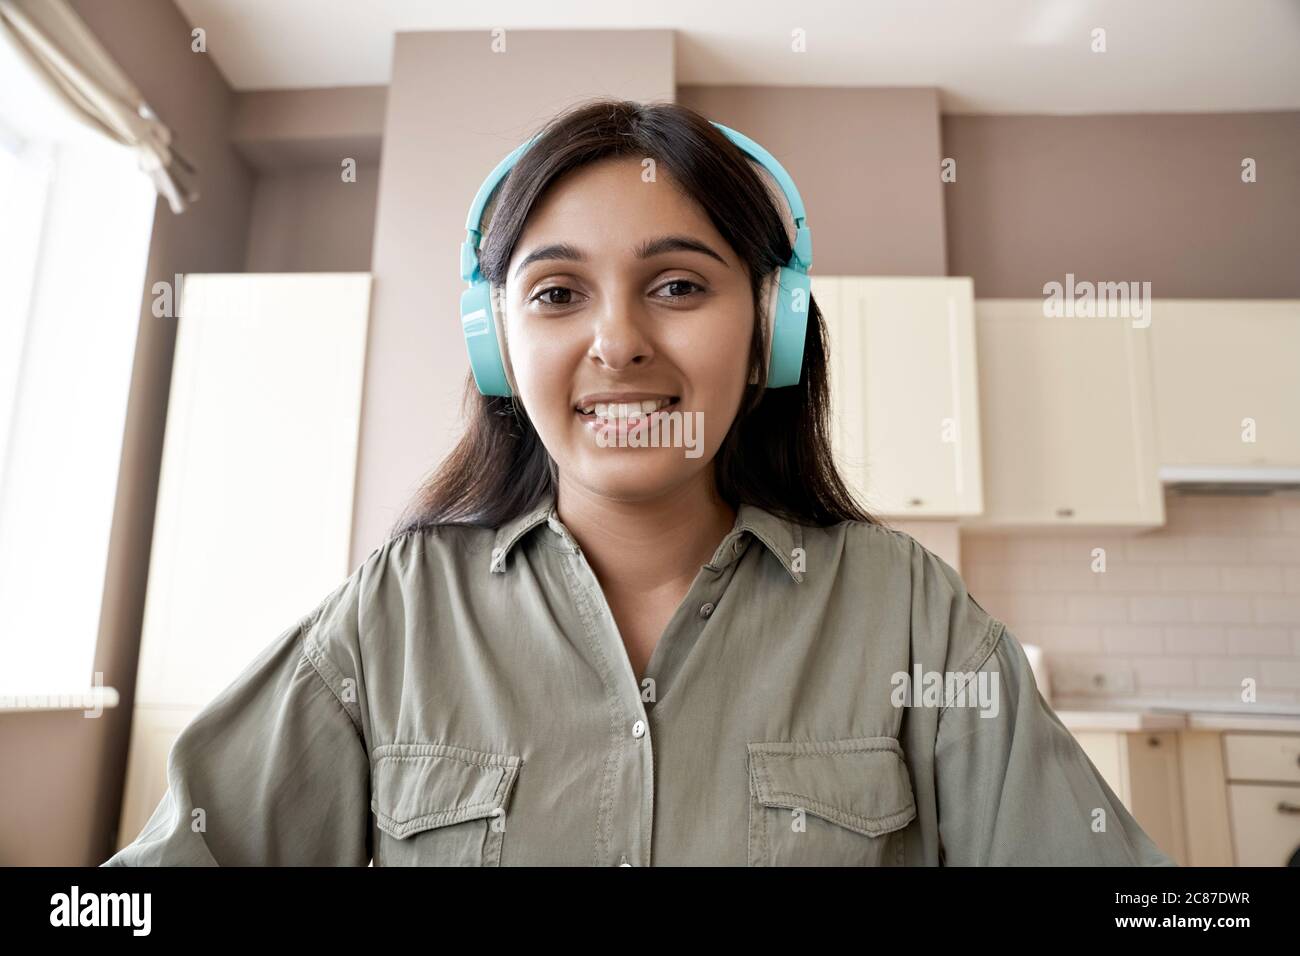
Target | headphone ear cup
(791,298)
(478,319)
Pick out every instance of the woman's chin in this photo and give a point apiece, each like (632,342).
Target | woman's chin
(629,473)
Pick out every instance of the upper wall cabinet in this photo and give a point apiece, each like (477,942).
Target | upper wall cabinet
(1069,432)
(1227,382)
(904,392)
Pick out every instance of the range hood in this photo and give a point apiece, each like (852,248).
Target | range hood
(1228,479)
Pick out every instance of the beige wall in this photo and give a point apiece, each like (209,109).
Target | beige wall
(1155,198)
(442,136)
(60,773)
(307,219)
(866,162)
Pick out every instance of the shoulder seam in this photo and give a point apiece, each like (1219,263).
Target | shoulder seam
(984,649)
(317,660)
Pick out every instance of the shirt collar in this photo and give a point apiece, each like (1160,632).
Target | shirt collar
(782,538)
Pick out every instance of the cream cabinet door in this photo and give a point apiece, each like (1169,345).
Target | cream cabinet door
(254,514)
(1227,382)
(1144,771)
(1068,427)
(904,392)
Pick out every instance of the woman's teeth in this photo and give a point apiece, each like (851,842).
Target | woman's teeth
(630,411)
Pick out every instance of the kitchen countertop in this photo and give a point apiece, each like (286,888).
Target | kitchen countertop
(1127,716)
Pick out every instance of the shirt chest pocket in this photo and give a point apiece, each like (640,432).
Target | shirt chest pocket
(828,802)
(440,805)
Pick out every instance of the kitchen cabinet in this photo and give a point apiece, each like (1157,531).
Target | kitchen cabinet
(1068,426)
(1263,772)
(905,403)
(254,516)
(1207,797)
(1144,771)
(1227,382)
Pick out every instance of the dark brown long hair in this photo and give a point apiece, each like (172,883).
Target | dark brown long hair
(777,453)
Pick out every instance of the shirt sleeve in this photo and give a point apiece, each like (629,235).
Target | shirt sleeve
(274,770)
(1013,785)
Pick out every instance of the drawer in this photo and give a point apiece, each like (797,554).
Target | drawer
(1265,823)
(1265,757)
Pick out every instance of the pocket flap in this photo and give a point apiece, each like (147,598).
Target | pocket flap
(860,783)
(419,786)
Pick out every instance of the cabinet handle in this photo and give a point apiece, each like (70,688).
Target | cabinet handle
(1285,807)
(915,501)
(1064,512)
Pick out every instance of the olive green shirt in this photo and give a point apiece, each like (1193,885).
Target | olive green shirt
(823,696)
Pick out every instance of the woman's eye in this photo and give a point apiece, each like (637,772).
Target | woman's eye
(680,282)
(552,302)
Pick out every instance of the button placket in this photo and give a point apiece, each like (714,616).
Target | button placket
(628,781)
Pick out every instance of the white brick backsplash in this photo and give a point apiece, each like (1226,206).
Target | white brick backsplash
(1259,641)
(1126,639)
(1156,548)
(1191,578)
(1160,672)
(1261,577)
(1280,550)
(1182,612)
(1063,638)
(1129,577)
(1280,675)
(1290,509)
(1277,610)
(1003,577)
(1076,576)
(1217,549)
(1073,674)
(1225,671)
(1031,608)
(1155,608)
(1195,640)
(1096,609)
(1222,608)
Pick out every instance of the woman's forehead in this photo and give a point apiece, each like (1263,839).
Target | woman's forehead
(610,207)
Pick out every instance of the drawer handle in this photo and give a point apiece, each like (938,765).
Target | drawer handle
(1284,807)
(1065,512)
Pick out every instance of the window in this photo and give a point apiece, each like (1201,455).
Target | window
(76,214)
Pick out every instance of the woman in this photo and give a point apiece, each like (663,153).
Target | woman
(583,647)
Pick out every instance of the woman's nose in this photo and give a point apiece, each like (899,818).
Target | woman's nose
(619,337)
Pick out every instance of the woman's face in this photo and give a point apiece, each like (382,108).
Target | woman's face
(621,291)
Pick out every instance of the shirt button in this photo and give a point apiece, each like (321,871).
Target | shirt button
(625,862)
(638,729)
(706,609)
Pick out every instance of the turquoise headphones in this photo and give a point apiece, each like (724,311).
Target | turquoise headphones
(783,302)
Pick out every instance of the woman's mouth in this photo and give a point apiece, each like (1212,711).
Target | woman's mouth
(599,416)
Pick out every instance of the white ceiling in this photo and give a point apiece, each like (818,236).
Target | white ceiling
(986,56)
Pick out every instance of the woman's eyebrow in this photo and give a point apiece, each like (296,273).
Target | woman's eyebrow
(651,247)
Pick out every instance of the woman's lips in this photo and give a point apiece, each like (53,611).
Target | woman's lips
(613,426)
